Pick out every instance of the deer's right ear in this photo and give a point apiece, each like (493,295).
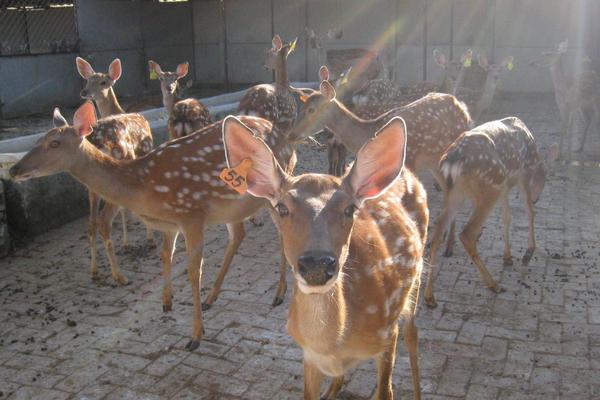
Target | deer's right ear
(182,69)
(265,175)
(84,68)
(324,73)
(154,67)
(58,120)
(327,90)
(439,57)
(277,43)
(379,162)
(114,70)
(84,119)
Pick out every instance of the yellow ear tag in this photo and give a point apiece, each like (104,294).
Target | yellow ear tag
(292,46)
(467,63)
(153,75)
(510,66)
(235,177)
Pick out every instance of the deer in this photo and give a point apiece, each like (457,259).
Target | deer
(185,115)
(576,97)
(122,136)
(355,245)
(483,165)
(454,70)
(175,188)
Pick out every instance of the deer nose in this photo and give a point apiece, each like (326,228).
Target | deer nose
(317,268)
(84,94)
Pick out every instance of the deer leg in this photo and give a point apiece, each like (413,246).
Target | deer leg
(587,122)
(194,243)
(149,236)
(506,219)
(312,381)
(94,201)
(166,255)
(411,342)
(107,215)
(334,387)
(236,236)
(452,202)
(471,233)
(122,211)
(443,187)
(282,286)
(385,366)
(531,217)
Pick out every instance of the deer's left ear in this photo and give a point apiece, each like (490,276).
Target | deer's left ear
(265,176)
(58,120)
(277,43)
(84,119)
(324,73)
(378,163)
(114,70)
(182,69)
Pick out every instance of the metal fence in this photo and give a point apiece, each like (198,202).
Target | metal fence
(37,27)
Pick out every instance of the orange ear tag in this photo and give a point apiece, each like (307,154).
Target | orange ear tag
(235,177)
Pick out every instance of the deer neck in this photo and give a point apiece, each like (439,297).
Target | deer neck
(113,180)
(317,321)
(351,130)
(487,95)
(281,73)
(109,105)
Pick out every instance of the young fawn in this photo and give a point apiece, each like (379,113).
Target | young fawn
(355,245)
(175,188)
(185,116)
(483,165)
(122,136)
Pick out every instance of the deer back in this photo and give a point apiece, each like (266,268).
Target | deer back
(123,136)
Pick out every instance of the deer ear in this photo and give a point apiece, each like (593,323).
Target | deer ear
(439,57)
(327,90)
(154,67)
(324,73)
(84,68)
(182,69)
(466,58)
(84,119)
(508,63)
(379,162)
(58,120)
(277,43)
(553,153)
(265,175)
(483,61)
(114,70)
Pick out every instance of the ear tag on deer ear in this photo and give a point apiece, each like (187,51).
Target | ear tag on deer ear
(235,177)
(153,75)
(292,46)
(303,98)
(467,63)
(510,66)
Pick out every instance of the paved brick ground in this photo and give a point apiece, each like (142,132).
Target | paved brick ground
(63,336)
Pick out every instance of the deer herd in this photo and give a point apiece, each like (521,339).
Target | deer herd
(356,241)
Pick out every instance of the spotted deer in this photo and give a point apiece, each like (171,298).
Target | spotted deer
(483,165)
(577,97)
(175,188)
(355,245)
(185,115)
(433,122)
(122,136)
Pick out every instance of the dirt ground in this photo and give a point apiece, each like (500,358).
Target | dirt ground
(64,336)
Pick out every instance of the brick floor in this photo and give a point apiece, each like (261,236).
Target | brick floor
(63,336)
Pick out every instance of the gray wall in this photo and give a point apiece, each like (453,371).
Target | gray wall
(136,31)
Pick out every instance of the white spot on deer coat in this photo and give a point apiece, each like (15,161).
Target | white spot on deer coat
(161,189)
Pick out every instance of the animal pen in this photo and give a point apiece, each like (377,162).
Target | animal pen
(335,148)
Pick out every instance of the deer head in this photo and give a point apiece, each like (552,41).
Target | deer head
(315,213)
(277,51)
(168,80)
(552,57)
(53,152)
(453,68)
(494,70)
(98,84)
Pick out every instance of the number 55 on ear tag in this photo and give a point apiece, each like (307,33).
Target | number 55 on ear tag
(235,177)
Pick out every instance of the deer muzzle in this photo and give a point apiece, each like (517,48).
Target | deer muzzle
(317,268)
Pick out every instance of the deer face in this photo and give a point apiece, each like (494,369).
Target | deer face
(316,213)
(98,84)
(168,80)
(53,152)
(316,113)
(494,70)
(453,68)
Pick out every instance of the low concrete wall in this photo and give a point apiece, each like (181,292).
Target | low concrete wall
(4,235)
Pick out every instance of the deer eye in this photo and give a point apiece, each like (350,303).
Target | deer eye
(54,144)
(350,210)
(103,83)
(282,210)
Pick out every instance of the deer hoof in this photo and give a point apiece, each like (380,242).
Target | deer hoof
(167,307)
(278,300)
(121,279)
(206,306)
(430,302)
(508,261)
(527,257)
(497,289)
(448,253)
(192,345)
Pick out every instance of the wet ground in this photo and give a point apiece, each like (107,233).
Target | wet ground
(64,336)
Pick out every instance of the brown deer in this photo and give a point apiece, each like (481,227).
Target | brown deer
(483,165)
(175,188)
(187,115)
(356,250)
(122,136)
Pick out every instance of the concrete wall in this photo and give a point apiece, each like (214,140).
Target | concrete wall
(207,33)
